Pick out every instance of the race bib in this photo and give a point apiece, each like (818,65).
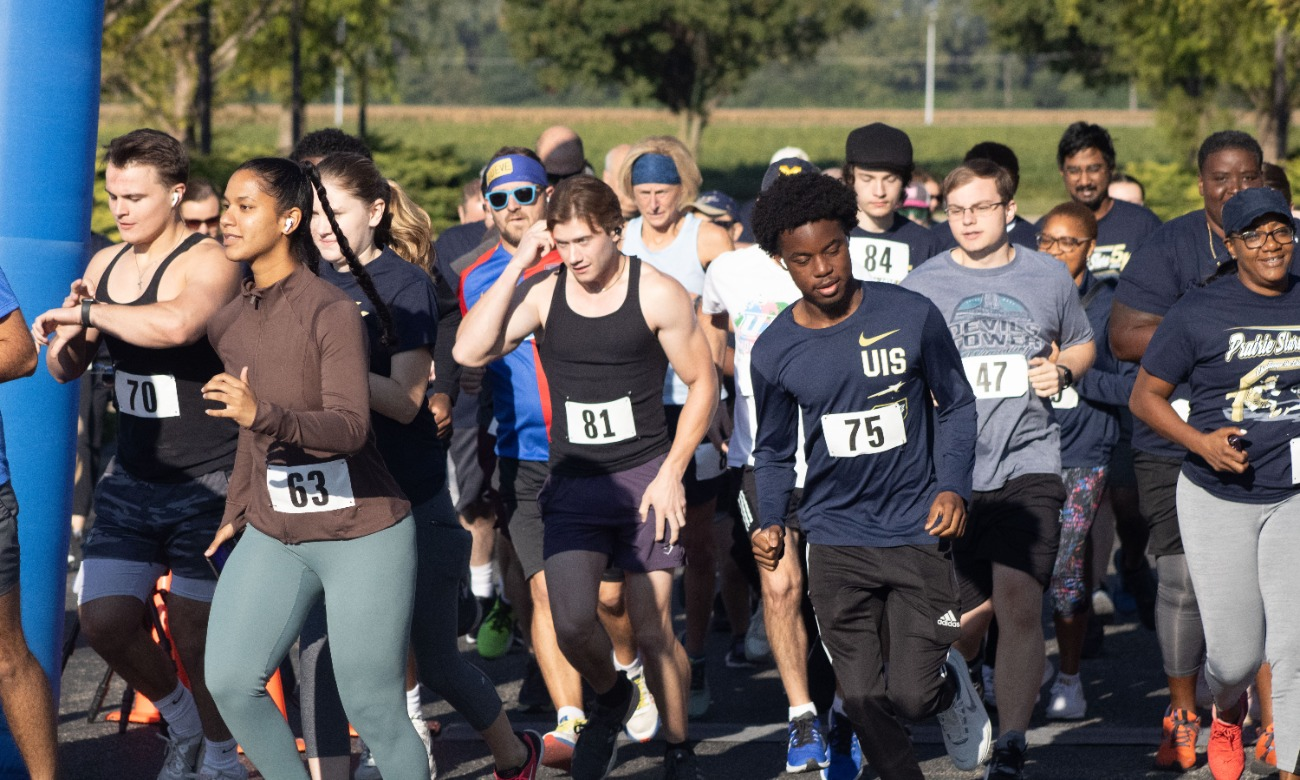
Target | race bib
(851,434)
(997,376)
(146,396)
(1183,407)
(605,423)
(1066,399)
(316,487)
(879,260)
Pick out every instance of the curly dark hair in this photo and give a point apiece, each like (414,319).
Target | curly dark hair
(797,200)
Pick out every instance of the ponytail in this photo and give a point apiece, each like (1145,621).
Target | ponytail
(387,337)
(409,230)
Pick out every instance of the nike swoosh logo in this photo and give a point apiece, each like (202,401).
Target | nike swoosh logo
(866,342)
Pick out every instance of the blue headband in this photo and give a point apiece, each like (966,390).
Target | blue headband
(655,169)
(514,168)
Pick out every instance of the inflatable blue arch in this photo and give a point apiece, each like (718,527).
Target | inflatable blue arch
(49,115)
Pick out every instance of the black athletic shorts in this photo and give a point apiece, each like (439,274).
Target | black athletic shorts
(521,481)
(708,459)
(748,503)
(1018,525)
(1157,483)
(8,538)
(471,454)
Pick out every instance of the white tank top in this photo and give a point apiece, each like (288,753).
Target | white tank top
(681,261)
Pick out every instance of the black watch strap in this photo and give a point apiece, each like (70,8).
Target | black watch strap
(86,303)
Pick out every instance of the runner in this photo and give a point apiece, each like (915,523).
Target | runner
(1231,341)
(161,497)
(662,177)
(1015,316)
(744,291)
(25,695)
(359,229)
(1089,416)
(1019,230)
(201,208)
(321,516)
(1180,253)
(888,473)
(1086,159)
(517,193)
(608,327)
(885,245)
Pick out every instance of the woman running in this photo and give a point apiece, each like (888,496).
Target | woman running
(1235,342)
(359,230)
(321,515)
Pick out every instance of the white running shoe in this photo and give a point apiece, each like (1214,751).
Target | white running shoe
(1066,701)
(967,730)
(426,738)
(367,769)
(211,773)
(644,723)
(181,760)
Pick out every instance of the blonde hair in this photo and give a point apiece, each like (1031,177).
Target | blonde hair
(410,234)
(668,146)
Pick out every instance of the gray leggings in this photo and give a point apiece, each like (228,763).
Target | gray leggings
(442,560)
(263,597)
(1240,556)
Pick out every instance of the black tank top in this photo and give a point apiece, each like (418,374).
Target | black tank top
(163,434)
(606,377)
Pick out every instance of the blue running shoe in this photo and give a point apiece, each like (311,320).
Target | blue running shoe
(807,749)
(845,752)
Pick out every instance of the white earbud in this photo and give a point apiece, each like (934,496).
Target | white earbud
(288,224)
(176,198)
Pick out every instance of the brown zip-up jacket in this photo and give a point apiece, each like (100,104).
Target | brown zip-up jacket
(307,469)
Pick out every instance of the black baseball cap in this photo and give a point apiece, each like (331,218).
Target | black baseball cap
(1242,209)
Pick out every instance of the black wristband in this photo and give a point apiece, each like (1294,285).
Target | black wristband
(1067,376)
(86,303)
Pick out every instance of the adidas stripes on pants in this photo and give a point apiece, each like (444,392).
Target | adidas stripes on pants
(1241,557)
(854,591)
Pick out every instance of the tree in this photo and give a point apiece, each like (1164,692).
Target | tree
(684,54)
(1187,54)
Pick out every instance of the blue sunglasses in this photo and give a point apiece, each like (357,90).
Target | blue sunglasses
(524,196)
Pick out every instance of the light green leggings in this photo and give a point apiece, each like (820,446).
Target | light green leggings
(264,595)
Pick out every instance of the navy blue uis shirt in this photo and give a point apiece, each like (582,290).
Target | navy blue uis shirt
(1088,413)
(878,448)
(1173,259)
(1239,353)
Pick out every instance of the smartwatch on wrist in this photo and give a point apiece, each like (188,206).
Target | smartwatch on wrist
(1067,376)
(86,303)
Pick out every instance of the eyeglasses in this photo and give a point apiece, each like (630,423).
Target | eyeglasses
(1254,239)
(195,224)
(524,196)
(1067,242)
(979,209)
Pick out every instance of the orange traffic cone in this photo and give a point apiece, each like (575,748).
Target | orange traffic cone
(142,711)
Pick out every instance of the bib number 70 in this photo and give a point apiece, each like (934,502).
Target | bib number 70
(851,434)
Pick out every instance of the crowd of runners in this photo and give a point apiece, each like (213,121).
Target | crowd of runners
(872,416)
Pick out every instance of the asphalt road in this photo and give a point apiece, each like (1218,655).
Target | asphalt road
(742,736)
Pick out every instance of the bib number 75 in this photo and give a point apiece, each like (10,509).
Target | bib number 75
(851,434)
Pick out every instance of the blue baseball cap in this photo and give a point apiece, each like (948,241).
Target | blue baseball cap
(1247,206)
(717,204)
(786,166)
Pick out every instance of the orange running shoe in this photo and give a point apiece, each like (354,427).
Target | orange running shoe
(1225,755)
(1264,751)
(1178,740)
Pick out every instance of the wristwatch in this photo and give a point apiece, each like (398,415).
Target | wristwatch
(1067,376)
(86,303)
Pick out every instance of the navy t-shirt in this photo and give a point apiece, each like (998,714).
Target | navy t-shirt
(878,448)
(1239,353)
(411,451)
(889,256)
(1119,234)
(1088,413)
(1179,254)
(8,305)
(454,243)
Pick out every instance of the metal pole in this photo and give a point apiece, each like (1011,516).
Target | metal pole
(933,13)
(340,37)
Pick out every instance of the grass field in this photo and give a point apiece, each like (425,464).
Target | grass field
(735,150)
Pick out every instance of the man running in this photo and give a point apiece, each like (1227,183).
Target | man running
(1023,336)
(161,498)
(201,208)
(607,328)
(885,245)
(1086,159)
(24,689)
(871,373)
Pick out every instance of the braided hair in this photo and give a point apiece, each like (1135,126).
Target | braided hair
(388,336)
(285,181)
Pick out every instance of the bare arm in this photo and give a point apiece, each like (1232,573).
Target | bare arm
(17,349)
(1130,331)
(400,395)
(715,333)
(1150,403)
(1044,376)
(713,241)
(506,314)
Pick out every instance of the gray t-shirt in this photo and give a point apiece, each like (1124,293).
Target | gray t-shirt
(1000,318)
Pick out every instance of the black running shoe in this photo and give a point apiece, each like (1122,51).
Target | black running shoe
(682,764)
(1008,762)
(593,756)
